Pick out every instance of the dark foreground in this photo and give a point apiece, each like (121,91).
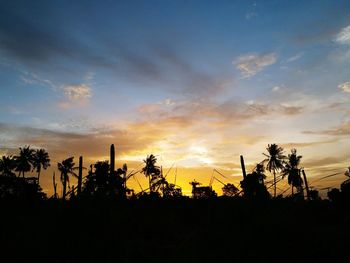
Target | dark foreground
(216,230)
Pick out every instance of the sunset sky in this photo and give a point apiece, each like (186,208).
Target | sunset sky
(197,83)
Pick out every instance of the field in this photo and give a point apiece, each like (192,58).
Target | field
(185,230)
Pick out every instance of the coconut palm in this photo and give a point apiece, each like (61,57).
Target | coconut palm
(151,170)
(24,160)
(7,165)
(40,160)
(274,161)
(291,169)
(66,167)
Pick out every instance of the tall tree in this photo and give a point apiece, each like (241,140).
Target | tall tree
(24,160)
(66,167)
(41,160)
(274,161)
(150,169)
(7,165)
(291,169)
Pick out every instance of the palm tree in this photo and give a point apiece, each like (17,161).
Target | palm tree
(66,168)
(291,169)
(151,170)
(24,160)
(7,164)
(274,161)
(40,160)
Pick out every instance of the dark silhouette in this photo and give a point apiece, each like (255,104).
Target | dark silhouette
(80,175)
(152,172)
(274,162)
(253,184)
(111,218)
(24,160)
(201,192)
(40,159)
(7,165)
(66,168)
(345,186)
(229,190)
(292,171)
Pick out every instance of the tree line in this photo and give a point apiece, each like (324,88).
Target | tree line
(103,180)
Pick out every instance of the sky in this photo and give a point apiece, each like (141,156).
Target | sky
(196,83)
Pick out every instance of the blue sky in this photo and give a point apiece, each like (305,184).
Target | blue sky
(197,82)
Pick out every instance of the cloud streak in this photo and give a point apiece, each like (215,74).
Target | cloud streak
(341,130)
(343,37)
(250,64)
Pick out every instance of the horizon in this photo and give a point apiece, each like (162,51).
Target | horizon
(196,83)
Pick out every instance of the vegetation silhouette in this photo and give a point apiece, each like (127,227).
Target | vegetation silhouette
(274,162)
(40,160)
(24,160)
(110,222)
(292,171)
(66,168)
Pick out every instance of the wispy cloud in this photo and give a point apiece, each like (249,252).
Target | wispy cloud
(295,57)
(343,37)
(341,130)
(250,64)
(34,79)
(345,87)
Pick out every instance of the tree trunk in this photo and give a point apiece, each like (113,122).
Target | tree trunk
(306,185)
(39,176)
(149,182)
(54,184)
(292,190)
(64,187)
(80,175)
(274,182)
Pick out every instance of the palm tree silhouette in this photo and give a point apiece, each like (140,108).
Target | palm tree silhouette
(24,160)
(40,160)
(151,170)
(7,164)
(291,169)
(66,168)
(274,161)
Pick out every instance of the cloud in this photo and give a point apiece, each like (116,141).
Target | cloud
(276,88)
(137,137)
(76,96)
(291,110)
(343,37)
(51,48)
(345,87)
(341,130)
(77,92)
(294,58)
(250,64)
(292,145)
(30,78)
